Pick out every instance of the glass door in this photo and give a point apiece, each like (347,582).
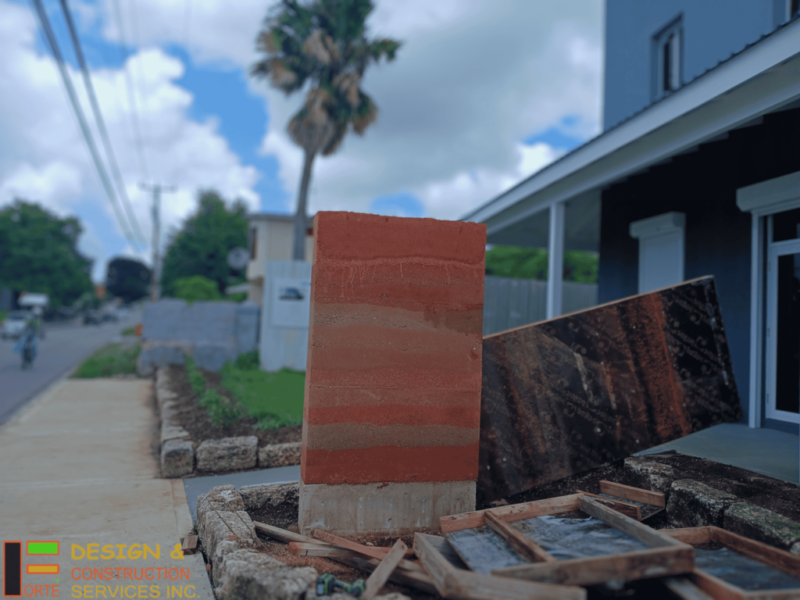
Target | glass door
(783,329)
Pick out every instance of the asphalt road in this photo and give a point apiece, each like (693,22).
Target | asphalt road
(64,347)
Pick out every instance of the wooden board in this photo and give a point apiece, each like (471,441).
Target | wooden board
(579,391)
(455,583)
(632,493)
(383,571)
(743,569)
(371,551)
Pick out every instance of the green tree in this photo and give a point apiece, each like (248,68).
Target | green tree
(323,44)
(127,278)
(39,253)
(531,263)
(202,244)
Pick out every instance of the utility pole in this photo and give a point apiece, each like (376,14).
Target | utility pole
(156,273)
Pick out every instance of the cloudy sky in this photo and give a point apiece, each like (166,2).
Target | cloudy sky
(482,94)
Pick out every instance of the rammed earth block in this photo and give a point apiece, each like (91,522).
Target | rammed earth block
(394,367)
(393,383)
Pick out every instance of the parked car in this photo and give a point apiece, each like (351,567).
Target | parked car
(92,317)
(110,317)
(14,324)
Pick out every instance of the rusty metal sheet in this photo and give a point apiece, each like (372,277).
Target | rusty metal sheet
(579,391)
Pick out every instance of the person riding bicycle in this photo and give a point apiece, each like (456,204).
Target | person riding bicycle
(28,344)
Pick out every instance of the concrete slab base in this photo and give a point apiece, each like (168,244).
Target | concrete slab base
(382,508)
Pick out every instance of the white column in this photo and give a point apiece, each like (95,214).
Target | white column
(756,343)
(555,260)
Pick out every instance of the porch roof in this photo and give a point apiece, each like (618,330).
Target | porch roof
(762,78)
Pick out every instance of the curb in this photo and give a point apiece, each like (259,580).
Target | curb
(180,458)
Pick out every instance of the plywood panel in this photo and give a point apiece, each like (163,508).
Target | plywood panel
(576,392)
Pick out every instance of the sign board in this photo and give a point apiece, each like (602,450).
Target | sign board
(291,302)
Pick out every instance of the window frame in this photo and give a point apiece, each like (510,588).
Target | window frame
(667,44)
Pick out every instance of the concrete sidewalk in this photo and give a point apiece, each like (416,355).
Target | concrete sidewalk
(76,466)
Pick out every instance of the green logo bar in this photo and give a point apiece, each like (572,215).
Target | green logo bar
(41,548)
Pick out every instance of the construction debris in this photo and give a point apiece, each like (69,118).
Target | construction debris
(553,541)
(732,567)
(573,393)
(189,545)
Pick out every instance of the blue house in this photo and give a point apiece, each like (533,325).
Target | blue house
(696,172)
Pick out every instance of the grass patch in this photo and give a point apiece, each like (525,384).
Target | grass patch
(129,331)
(110,360)
(275,399)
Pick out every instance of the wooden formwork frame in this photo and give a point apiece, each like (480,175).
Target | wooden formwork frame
(722,590)
(459,584)
(665,556)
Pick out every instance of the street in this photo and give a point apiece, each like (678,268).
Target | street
(64,347)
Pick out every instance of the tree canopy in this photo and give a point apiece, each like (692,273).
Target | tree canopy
(38,253)
(322,45)
(127,278)
(531,263)
(202,244)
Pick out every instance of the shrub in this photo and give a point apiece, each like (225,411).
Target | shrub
(196,379)
(221,411)
(249,361)
(196,288)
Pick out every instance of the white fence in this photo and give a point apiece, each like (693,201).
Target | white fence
(509,303)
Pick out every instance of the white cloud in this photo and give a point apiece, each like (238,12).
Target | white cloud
(43,156)
(470,82)
(473,79)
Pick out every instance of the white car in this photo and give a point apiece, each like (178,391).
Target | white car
(14,324)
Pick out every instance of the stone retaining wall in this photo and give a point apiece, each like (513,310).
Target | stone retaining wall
(180,458)
(691,503)
(239,570)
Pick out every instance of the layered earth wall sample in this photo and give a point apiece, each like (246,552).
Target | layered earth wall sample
(573,393)
(393,382)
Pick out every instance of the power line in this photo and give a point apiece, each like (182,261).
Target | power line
(137,132)
(87,134)
(101,126)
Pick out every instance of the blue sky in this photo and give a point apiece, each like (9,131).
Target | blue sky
(446,141)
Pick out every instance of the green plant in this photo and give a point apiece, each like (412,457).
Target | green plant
(196,288)
(110,360)
(249,361)
(221,411)
(531,263)
(129,331)
(196,379)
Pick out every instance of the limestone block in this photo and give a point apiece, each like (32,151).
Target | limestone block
(251,575)
(177,458)
(650,474)
(227,454)
(173,432)
(279,499)
(762,525)
(694,504)
(279,455)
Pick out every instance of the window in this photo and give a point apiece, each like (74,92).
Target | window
(661,250)
(794,8)
(667,59)
(252,240)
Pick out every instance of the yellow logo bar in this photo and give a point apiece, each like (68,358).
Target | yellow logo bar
(42,569)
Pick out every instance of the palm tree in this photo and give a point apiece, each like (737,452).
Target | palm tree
(323,44)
